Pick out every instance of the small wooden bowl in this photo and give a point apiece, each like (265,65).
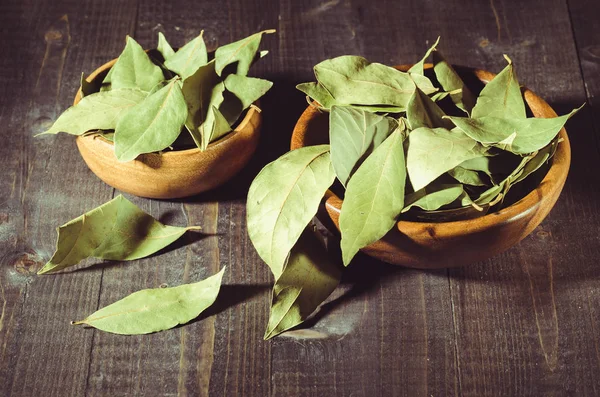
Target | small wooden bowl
(449,244)
(172,174)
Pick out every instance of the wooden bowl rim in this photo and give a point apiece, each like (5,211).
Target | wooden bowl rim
(253,111)
(553,180)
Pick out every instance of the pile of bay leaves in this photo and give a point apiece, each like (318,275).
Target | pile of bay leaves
(166,99)
(401,145)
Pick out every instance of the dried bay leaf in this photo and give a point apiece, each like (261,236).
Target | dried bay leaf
(117,230)
(451,82)
(283,198)
(467,177)
(530,134)
(164,47)
(156,309)
(354,80)
(242,51)
(216,125)
(98,111)
(353,135)
(318,93)
(542,157)
(431,198)
(432,152)
(186,61)
(417,68)
(308,279)
(198,93)
(501,97)
(151,125)
(374,197)
(422,111)
(246,91)
(134,69)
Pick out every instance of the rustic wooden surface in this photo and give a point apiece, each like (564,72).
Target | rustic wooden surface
(525,323)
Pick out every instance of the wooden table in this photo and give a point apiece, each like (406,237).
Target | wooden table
(525,323)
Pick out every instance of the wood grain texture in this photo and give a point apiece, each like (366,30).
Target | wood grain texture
(524,323)
(44,186)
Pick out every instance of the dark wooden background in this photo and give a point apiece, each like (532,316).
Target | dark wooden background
(525,323)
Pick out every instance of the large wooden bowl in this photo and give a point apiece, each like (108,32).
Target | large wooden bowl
(172,174)
(450,244)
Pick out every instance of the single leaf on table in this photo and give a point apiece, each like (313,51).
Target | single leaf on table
(98,111)
(501,97)
(530,134)
(374,197)
(417,68)
(151,125)
(215,126)
(451,82)
(198,92)
(134,69)
(186,61)
(242,51)
(116,230)
(246,91)
(422,111)
(156,309)
(354,80)
(353,135)
(164,47)
(467,177)
(307,280)
(283,198)
(434,197)
(432,152)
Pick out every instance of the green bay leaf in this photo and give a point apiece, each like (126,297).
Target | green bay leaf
(198,93)
(246,91)
(283,198)
(451,82)
(431,198)
(374,197)
(134,69)
(216,125)
(98,111)
(353,135)
(164,47)
(153,124)
(520,136)
(156,309)
(467,177)
(417,68)
(242,51)
(354,80)
(433,152)
(308,279)
(318,93)
(501,97)
(186,61)
(422,111)
(116,230)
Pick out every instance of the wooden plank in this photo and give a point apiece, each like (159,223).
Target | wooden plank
(44,184)
(523,319)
